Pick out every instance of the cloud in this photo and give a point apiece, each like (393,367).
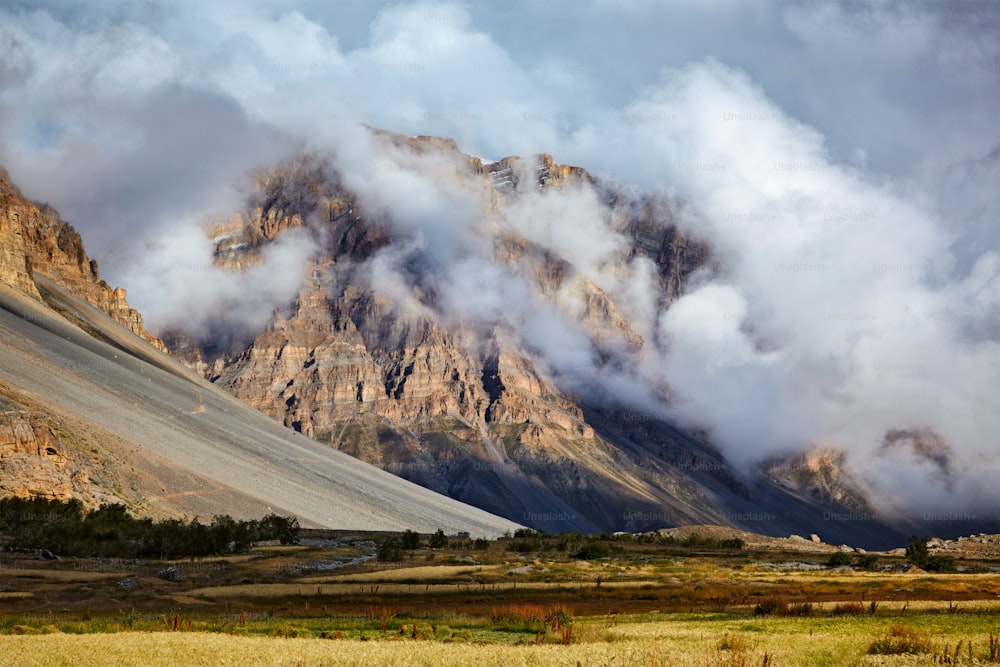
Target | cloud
(840,158)
(200,299)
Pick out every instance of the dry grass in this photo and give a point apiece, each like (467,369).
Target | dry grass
(63,576)
(163,649)
(421,573)
(15,595)
(595,641)
(376,588)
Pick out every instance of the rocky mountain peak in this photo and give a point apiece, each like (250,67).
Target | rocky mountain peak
(469,408)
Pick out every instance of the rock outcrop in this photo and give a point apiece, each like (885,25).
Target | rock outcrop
(33,239)
(36,460)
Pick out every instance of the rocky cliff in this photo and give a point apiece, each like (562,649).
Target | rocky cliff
(33,239)
(39,457)
(36,458)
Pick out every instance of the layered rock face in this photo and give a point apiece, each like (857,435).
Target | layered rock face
(33,239)
(464,409)
(36,461)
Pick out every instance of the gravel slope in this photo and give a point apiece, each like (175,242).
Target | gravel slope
(119,383)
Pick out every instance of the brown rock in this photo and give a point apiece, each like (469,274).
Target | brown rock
(33,239)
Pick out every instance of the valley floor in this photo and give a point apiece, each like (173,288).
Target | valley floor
(528,600)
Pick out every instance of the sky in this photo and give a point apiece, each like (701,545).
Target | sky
(841,158)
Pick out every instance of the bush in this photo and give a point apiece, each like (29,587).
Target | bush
(410,540)
(439,539)
(917,555)
(939,564)
(769,607)
(390,550)
(525,546)
(849,609)
(801,609)
(868,562)
(591,551)
(838,559)
(526,532)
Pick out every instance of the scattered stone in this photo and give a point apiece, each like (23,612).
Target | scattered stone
(130,584)
(169,574)
(815,538)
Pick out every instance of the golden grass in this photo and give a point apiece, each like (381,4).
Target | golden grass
(682,649)
(420,573)
(67,576)
(680,643)
(15,595)
(342,588)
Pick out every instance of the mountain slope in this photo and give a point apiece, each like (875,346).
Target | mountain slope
(151,432)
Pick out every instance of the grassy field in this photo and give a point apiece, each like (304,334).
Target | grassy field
(641,641)
(331,602)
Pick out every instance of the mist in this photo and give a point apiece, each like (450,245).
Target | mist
(840,159)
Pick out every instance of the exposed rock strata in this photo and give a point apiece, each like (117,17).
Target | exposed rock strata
(33,239)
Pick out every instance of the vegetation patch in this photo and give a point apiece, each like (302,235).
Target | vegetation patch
(66,529)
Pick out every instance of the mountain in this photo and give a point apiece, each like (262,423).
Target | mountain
(374,359)
(91,407)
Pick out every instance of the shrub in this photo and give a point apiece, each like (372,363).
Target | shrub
(591,551)
(525,546)
(770,606)
(518,618)
(735,643)
(390,550)
(410,540)
(848,609)
(838,559)
(868,562)
(939,564)
(801,609)
(439,539)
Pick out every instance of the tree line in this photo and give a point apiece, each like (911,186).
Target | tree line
(67,529)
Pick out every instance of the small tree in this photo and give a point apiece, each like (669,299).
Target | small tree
(439,539)
(916,551)
(285,529)
(411,540)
